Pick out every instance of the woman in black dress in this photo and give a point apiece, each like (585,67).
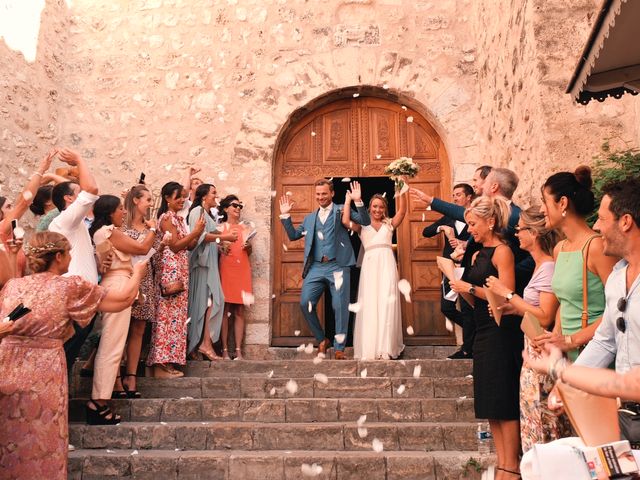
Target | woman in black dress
(497,348)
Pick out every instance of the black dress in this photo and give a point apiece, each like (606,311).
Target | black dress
(497,352)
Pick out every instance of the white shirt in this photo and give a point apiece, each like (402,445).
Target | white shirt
(460,226)
(324,212)
(70,223)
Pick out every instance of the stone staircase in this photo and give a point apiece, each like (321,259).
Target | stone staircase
(245,420)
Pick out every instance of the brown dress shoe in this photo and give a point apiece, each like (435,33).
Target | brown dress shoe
(324,344)
(340,355)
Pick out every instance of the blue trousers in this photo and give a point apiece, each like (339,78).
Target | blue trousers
(320,275)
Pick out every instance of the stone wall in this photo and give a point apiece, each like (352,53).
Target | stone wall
(160,85)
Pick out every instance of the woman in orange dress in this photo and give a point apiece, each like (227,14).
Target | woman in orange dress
(33,386)
(235,274)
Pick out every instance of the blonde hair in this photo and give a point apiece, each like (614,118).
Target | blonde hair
(377,196)
(488,208)
(533,218)
(134,193)
(42,248)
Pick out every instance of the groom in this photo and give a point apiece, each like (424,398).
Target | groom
(328,257)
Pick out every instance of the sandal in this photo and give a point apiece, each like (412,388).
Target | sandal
(131,393)
(162,371)
(118,394)
(225,354)
(512,472)
(211,356)
(101,415)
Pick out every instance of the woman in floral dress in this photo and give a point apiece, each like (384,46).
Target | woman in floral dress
(33,385)
(169,331)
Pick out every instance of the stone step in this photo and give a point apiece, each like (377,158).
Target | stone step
(258,352)
(338,436)
(262,387)
(286,410)
(275,465)
(335,368)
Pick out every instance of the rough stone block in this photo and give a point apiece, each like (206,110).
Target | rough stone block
(453,387)
(170,387)
(261,388)
(465,410)
(220,387)
(262,410)
(147,467)
(416,467)
(229,437)
(106,436)
(146,410)
(414,387)
(439,410)
(399,410)
(181,410)
(299,437)
(191,437)
(387,434)
(422,437)
(197,466)
(105,466)
(357,468)
(74,468)
(220,410)
(311,410)
(351,409)
(256,468)
(154,436)
(460,436)
(354,387)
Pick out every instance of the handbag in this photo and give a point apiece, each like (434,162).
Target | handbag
(585,290)
(171,288)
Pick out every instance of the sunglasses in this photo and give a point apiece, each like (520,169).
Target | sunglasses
(620,323)
(237,205)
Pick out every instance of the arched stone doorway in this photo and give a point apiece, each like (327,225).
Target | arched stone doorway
(357,137)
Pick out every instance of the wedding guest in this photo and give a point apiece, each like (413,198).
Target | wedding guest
(537,423)
(568,199)
(190,184)
(168,344)
(137,204)
(109,238)
(455,232)
(9,260)
(479,176)
(75,202)
(42,205)
(497,348)
(33,404)
(206,300)
(235,274)
(10,212)
(378,328)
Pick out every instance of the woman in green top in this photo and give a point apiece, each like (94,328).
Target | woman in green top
(567,200)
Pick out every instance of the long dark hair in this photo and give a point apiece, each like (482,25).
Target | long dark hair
(168,190)
(226,203)
(201,192)
(2,202)
(43,195)
(102,211)
(576,187)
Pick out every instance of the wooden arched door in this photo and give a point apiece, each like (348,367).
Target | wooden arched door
(356,138)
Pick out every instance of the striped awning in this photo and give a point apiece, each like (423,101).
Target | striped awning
(610,62)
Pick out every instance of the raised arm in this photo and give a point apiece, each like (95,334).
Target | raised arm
(188,241)
(401,211)
(361,216)
(85,177)
(126,244)
(285,218)
(346,215)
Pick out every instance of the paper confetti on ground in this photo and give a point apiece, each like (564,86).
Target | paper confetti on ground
(270,374)
(354,307)
(297,333)
(292,387)
(318,359)
(309,348)
(361,420)
(417,370)
(321,377)
(410,330)
(312,470)
(405,288)
(362,432)
(135,452)
(300,348)
(423,217)
(377,445)
(363,373)
(272,392)
(401,389)
(339,337)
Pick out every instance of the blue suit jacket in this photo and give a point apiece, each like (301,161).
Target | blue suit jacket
(343,249)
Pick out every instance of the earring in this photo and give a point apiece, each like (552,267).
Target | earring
(491,227)
(564,213)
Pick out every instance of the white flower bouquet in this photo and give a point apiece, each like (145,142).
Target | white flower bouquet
(400,169)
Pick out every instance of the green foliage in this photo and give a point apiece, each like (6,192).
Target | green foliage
(472,465)
(611,166)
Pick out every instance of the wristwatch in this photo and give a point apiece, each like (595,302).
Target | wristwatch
(472,290)
(510,296)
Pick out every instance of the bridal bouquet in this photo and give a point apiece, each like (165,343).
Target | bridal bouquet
(401,168)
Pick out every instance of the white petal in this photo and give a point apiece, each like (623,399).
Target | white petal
(405,288)
(417,370)
(378,156)
(423,216)
(361,420)
(403,107)
(209,302)
(296,333)
(403,363)
(27,195)
(300,348)
(339,337)
(346,180)
(304,233)
(188,321)
(313,134)
(320,235)
(337,278)
(317,359)
(363,373)
(469,376)
(362,432)
(464,397)
(247,298)
(110,451)
(448,325)
(273,295)
(270,374)
(272,392)
(354,307)
(273,193)
(163,423)
(218,240)
(321,377)
(168,167)
(312,470)
(222,175)
(310,307)
(377,445)
(385,86)
(284,247)
(401,389)
(410,330)
(71,448)
(135,452)
(309,348)
(288,194)
(410,119)
(356,95)
(384,194)
(292,387)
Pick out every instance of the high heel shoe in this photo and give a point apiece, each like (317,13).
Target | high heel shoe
(211,356)
(118,394)
(162,371)
(131,393)
(98,416)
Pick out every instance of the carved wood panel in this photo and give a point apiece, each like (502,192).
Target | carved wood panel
(359,137)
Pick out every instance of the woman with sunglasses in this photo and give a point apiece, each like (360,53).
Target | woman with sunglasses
(537,423)
(235,274)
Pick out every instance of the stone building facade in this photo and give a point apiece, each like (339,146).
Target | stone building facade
(160,85)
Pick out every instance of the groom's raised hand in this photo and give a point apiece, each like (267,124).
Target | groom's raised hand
(356,192)
(285,205)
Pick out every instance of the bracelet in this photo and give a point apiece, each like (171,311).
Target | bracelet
(36,173)
(556,368)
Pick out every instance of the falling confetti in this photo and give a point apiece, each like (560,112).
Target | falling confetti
(272,392)
(313,134)
(218,240)
(469,376)
(304,233)
(404,107)
(310,307)
(330,179)
(209,302)
(362,432)
(364,166)
(309,348)
(288,194)
(401,389)
(464,397)
(378,156)
(377,445)
(448,325)
(361,420)
(273,295)
(410,330)
(273,193)
(247,298)
(284,247)
(27,195)
(384,194)
(417,370)
(22,171)
(385,86)
(292,387)
(354,307)
(423,216)
(312,470)
(356,95)
(270,374)
(168,167)
(321,377)
(339,337)
(337,279)
(346,180)
(18,233)
(296,333)
(405,288)
(409,119)
(300,348)
(135,452)
(321,235)
(222,175)
(188,321)
(363,373)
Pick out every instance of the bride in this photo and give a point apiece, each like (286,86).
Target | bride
(378,328)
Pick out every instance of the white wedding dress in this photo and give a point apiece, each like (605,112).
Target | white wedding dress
(378,329)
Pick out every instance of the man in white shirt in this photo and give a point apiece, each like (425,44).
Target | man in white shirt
(75,202)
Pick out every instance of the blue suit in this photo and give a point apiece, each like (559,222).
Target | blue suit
(328,241)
